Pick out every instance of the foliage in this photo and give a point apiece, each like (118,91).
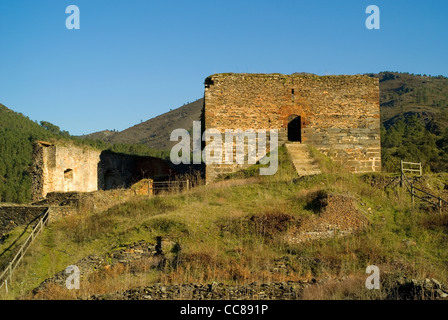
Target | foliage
(414,114)
(410,139)
(17,133)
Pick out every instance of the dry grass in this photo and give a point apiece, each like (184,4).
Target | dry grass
(352,288)
(115,278)
(232,231)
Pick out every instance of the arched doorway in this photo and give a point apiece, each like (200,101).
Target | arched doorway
(295,128)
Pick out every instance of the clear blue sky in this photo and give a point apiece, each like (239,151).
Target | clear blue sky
(133,60)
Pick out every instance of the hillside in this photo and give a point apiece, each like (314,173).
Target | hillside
(414,115)
(404,93)
(259,237)
(155,132)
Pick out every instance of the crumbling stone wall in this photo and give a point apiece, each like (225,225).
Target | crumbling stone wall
(338,115)
(63,168)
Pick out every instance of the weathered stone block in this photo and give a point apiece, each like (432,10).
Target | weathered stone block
(335,112)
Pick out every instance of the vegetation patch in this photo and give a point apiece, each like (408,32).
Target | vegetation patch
(272,224)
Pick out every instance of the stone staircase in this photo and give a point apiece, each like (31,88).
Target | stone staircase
(302,159)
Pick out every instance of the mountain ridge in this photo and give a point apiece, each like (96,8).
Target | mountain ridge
(401,95)
(155,132)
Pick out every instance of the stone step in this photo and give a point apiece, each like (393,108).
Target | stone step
(308,173)
(302,159)
(303,168)
(301,156)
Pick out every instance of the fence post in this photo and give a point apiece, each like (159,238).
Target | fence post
(401,173)
(6,285)
(440,205)
(188,184)
(412,193)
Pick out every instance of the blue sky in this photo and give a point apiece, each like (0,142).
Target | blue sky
(133,60)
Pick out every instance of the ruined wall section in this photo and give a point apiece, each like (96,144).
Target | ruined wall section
(63,168)
(340,115)
(117,170)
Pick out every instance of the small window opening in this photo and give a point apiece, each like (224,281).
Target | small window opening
(68,174)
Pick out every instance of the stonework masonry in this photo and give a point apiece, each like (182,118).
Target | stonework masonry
(64,167)
(338,115)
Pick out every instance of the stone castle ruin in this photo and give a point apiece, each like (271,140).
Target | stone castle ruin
(337,115)
(67,168)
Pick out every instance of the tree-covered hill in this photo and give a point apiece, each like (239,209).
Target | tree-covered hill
(402,93)
(16,135)
(414,115)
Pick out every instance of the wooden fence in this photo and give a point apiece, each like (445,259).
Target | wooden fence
(416,192)
(170,186)
(412,167)
(6,276)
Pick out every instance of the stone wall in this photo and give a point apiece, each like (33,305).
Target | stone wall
(63,168)
(339,115)
(64,203)
(117,170)
(12,216)
(290,290)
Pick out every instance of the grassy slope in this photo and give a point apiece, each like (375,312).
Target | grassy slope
(220,243)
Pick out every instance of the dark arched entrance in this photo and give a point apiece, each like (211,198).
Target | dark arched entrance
(294,128)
